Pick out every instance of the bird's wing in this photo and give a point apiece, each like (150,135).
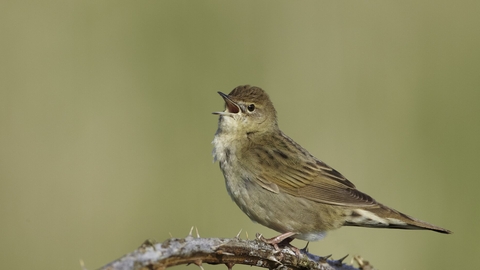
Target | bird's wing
(304,176)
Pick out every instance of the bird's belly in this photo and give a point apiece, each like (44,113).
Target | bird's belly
(279,211)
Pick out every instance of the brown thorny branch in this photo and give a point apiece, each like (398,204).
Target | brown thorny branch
(232,251)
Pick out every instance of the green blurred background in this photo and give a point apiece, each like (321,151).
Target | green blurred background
(106,124)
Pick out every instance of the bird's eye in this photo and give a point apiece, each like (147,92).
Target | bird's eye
(251,107)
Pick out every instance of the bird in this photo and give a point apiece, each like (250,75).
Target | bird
(279,184)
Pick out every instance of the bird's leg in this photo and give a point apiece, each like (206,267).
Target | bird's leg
(283,239)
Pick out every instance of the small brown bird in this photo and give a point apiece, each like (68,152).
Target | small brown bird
(280,185)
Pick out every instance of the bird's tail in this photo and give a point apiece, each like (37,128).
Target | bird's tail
(382,216)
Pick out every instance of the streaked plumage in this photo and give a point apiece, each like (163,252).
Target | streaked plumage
(279,184)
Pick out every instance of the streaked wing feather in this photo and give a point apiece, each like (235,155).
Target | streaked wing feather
(305,176)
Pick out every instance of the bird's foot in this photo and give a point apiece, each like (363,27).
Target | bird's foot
(282,240)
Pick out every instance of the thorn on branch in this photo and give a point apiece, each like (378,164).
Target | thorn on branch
(305,249)
(229,265)
(339,262)
(324,258)
(238,234)
(198,263)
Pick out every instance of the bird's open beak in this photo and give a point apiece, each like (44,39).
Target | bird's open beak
(230,106)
